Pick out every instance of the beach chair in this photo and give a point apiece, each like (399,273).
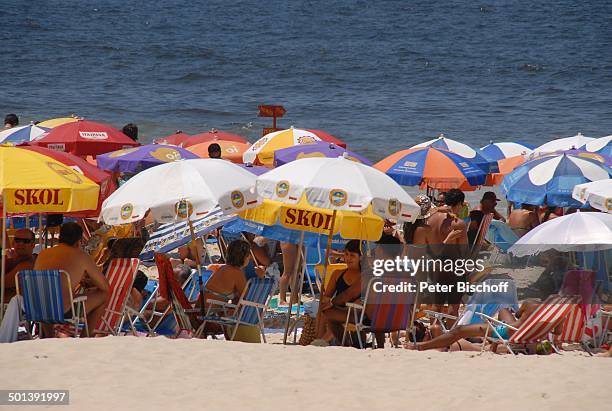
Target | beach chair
(120,275)
(388,315)
(41,291)
(539,326)
(483,228)
(248,311)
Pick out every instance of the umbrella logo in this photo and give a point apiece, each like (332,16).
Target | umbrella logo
(259,144)
(57,147)
(410,164)
(393,207)
(306,140)
(65,172)
(166,154)
(338,197)
(126,211)
(183,209)
(609,204)
(94,135)
(464,165)
(310,155)
(282,188)
(124,152)
(237,199)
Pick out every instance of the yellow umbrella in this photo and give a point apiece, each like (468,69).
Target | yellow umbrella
(262,152)
(34,183)
(54,122)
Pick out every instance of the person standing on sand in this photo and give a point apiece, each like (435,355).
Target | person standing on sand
(10,121)
(69,256)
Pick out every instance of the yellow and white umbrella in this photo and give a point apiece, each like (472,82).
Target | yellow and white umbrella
(262,151)
(54,122)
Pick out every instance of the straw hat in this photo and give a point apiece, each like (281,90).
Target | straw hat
(425,203)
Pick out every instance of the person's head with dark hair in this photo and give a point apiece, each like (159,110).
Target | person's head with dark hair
(352,254)
(454,198)
(24,242)
(131,130)
(440,199)
(11,120)
(489,202)
(238,253)
(70,234)
(140,281)
(214,150)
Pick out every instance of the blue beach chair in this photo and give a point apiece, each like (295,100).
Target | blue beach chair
(41,291)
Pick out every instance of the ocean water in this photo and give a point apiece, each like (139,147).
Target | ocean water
(382,75)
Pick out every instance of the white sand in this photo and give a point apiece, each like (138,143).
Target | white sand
(158,373)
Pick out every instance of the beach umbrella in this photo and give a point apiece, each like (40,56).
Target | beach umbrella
(183,190)
(134,160)
(21,134)
(34,183)
(262,151)
(213,135)
(230,150)
(430,167)
(597,193)
(579,231)
(506,165)
(475,156)
(84,137)
(102,178)
(54,122)
(257,170)
(601,145)
(327,137)
(550,179)
(320,149)
(576,142)
(500,151)
(175,139)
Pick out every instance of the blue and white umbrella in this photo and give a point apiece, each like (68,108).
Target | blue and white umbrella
(576,142)
(476,157)
(22,134)
(551,179)
(601,145)
(500,151)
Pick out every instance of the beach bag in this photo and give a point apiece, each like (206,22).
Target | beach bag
(309,332)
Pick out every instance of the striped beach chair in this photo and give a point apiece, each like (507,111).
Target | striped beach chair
(540,325)
(41,291)
(388,315)
(248,311)
(120,275)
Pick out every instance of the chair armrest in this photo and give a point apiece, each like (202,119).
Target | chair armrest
(437,314)
(496,321)
(354,306)
(221,303)
(81,298)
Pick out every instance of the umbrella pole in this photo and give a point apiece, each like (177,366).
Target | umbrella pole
(325,264)
(3,257)
(197,257)
(295,284)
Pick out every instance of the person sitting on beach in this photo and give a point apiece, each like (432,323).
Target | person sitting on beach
(548,213)
(487,205)
(20,258)
(131,130)
(10,121)
(189,254)
(344,286)
(523,220)
(214,150)
(456,338)
(83,272)
(440,199)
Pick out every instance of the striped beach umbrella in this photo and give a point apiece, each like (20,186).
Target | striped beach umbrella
(500,151)
(601,145)
(551,179)
(474,155)
(597,193)
(21,134)
(430,167)
(576,142)
(262,151)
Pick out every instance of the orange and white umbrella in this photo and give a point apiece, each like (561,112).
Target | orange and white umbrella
(230,150)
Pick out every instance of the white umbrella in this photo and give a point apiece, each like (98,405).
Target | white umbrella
(602,145)
(580,231)
(203,183)
(576,142)
(597,193)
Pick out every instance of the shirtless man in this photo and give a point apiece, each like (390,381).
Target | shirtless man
(68,256)
(524,219)
(21,259)
(487,205)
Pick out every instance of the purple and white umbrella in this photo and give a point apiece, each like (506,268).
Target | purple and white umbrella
(601,145)
(136,159)
(321,149)
(17,135)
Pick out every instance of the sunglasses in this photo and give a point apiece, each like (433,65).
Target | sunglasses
(22,240)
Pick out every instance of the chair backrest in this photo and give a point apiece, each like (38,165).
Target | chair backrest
(388,314)
(192,288)
(483,228)
(545,318)
(170,289)
(573,325)
(501,235)
(258,291)
(41,291)
(120,275)
(489,303)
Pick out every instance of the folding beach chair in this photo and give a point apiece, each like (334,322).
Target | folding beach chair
(539,326)
(248,311)
(388,316)
(120,275)
(43,302)
(483,228)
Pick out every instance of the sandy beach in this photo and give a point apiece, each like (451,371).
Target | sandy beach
(159,373)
